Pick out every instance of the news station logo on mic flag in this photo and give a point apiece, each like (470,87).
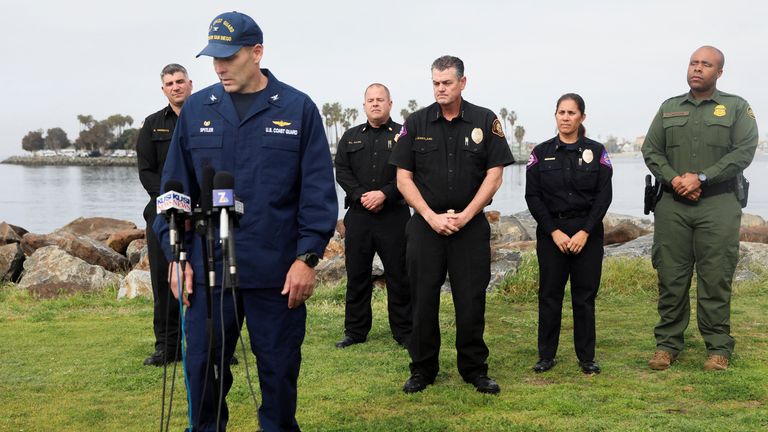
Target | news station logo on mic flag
(173,200)
(223,198)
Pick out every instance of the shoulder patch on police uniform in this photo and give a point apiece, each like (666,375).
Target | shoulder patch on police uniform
(719,111)
(532,160)
(605,160)
(751,113)
(403,132)
(497,129)
(675,114)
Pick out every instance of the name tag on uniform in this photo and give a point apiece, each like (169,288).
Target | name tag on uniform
(550,158)
(675,114)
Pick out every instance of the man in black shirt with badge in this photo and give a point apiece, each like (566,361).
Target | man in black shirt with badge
(375,220)
(450,158)
(151,149)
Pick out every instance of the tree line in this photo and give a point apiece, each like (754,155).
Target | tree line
(109,134)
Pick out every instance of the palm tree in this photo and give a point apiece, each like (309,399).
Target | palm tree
(326,112)
(503,115)
(337,116)
(519,134)
(512,118)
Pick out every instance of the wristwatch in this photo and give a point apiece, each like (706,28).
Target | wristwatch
(311,259)
(702,178)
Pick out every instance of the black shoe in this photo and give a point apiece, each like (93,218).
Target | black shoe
(483,384)
(347,341)
(416,383)
(589,367)
(159,358)
(544,365)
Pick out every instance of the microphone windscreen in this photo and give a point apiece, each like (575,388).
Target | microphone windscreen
(223,180)
(207,193)
(174,185)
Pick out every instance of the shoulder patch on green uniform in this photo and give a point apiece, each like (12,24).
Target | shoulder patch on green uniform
(675,114)
(497,129)
(751,113)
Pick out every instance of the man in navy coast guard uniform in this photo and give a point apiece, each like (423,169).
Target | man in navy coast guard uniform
(271,138)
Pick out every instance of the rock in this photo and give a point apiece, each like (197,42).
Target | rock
(612,220)
(11,262)
(143,263)
(51,271)
(505,262)
(91,251)
(754,233)
(509,229)
(753,254)
(750,220)
(136,283)
(136,251)
(8,235)
(335,247)
(639,247)
(526,245)
(623,232)
(120,240)
(19,230)
(493,216)
(341,228)
(331,270)
(96,228)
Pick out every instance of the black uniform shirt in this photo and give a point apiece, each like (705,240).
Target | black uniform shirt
(449,159)
(151,149)
(568,179)
(362,162)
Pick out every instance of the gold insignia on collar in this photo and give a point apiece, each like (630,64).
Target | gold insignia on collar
(477,135)
(281,123)
(497,129)
(751,113)
(719,111)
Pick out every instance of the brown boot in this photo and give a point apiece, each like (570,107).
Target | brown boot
(661,360)
(716,363)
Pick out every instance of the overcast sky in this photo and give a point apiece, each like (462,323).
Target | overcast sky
(61,59)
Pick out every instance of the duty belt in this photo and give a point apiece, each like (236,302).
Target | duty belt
(570,214)
(708,190)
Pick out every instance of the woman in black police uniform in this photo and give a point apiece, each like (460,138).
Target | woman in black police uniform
(568,191)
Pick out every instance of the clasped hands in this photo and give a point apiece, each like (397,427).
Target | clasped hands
(688,186)
(447,223)
(570,245)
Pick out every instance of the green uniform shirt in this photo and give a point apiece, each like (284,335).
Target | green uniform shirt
(717,136)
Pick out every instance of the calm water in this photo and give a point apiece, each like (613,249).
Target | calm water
(42,199)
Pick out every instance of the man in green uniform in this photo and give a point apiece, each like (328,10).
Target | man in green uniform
(696,146)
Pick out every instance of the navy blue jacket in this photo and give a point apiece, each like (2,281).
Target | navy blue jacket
(280,159)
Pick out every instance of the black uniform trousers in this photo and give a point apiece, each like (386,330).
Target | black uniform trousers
(166,316)
(366,234)
(584,270)
(466,257)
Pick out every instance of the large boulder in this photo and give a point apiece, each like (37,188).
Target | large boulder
(143,263)
(750,220)
(119,241)
(331,270)
(623,232)
(8,235)
(97,228)
(341,228)
(505,262)
(136,251)
(136,283)
(11,262)
(612,220)
(335,248)
(51,271)
(754,233)
(85,248)
(509,229)
(637,248)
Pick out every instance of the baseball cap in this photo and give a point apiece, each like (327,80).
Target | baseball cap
(229,32)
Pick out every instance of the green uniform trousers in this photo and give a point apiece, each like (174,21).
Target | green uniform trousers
(706,235)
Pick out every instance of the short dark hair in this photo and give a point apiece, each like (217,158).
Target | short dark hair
(377,85)
(172,69)
(720,53)
(446,62)
(579,103)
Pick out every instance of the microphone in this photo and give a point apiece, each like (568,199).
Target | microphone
(207,208)
(224,199)
(174,206)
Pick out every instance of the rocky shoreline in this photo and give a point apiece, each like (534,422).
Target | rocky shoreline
(70,161)
(91,254)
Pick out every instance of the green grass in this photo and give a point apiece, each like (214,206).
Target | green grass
(75,364)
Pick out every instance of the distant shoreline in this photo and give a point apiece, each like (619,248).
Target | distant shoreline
(70,161)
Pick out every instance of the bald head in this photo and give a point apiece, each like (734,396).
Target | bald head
(719,54)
